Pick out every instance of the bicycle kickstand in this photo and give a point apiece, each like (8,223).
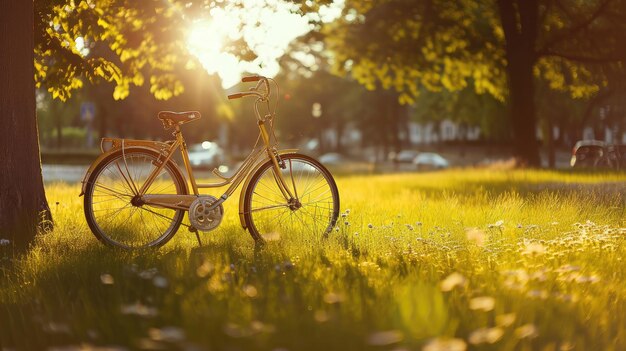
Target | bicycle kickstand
(195,230)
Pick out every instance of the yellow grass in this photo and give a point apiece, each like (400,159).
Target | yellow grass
(493,260)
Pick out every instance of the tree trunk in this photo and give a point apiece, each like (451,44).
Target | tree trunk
(588,114)
(320,137)
(394,111)
(620,128)
(59,125)
(548,135)
(406,127)
(522,112)
(23,205)
(383,121)
(519,22)
(102,121)
(340,125)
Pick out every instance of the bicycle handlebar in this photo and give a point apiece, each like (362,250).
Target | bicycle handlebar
(262,95)
(240,95)
(253,91)
(251,79)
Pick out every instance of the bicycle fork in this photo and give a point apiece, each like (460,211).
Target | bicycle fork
(277,166)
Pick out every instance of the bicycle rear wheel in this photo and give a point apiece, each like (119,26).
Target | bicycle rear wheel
(312,214)
(112,215)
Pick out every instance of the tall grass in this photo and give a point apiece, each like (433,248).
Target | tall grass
(440,261)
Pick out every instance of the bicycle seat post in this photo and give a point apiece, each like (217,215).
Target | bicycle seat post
(184,152)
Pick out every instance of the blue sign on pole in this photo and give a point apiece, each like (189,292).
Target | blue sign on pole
(87,114)
(87,111)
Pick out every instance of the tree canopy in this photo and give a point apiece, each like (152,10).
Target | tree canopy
(443,45)
(494,47)
(128,43)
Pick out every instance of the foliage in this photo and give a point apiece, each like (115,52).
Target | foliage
(442,45)
(129,43)
(478,259)
(495,47)
(435,44)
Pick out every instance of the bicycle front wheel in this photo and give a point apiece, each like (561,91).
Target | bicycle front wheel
(313,211)
(112,211)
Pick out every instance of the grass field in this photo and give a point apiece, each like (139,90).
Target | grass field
(476,260)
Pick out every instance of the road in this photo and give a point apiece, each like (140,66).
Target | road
(75,173)
(64,173)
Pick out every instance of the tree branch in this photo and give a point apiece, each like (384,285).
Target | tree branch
(565,9)
(508,20)
(575,29)
(583,58)
(543,14)
(595,101)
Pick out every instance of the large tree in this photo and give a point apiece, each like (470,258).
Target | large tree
(23,206)
(70,42)
(498,47)
(45,33)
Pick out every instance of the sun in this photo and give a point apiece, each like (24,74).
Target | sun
(205,41)
(203,36)
(266,26)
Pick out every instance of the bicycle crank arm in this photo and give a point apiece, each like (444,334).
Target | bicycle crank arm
(218,202)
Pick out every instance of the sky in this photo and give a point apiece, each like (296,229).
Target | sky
(277,27)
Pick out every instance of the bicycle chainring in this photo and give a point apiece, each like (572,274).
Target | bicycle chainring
(202,217)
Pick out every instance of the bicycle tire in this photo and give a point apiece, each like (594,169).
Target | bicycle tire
(257,230)
(95,224)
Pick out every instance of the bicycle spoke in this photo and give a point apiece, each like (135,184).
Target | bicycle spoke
(295,191)
(320,195)
(268,208)
(112,215)
(101,201)
(313,183)
(119,176)
(112,191)
(156,213)
(130,186)
(268,199)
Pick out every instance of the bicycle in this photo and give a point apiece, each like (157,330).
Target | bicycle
(135,195)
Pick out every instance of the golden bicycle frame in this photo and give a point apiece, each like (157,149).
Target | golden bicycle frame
(182,202)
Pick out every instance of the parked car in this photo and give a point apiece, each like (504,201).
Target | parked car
(206,155)
(430,160)
(331,159)
(617,156)
(588,154)
(405,156)
(598,154)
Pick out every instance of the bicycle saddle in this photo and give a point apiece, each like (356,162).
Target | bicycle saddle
(169,118)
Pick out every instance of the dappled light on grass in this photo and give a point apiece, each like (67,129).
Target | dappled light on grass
(444,261)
